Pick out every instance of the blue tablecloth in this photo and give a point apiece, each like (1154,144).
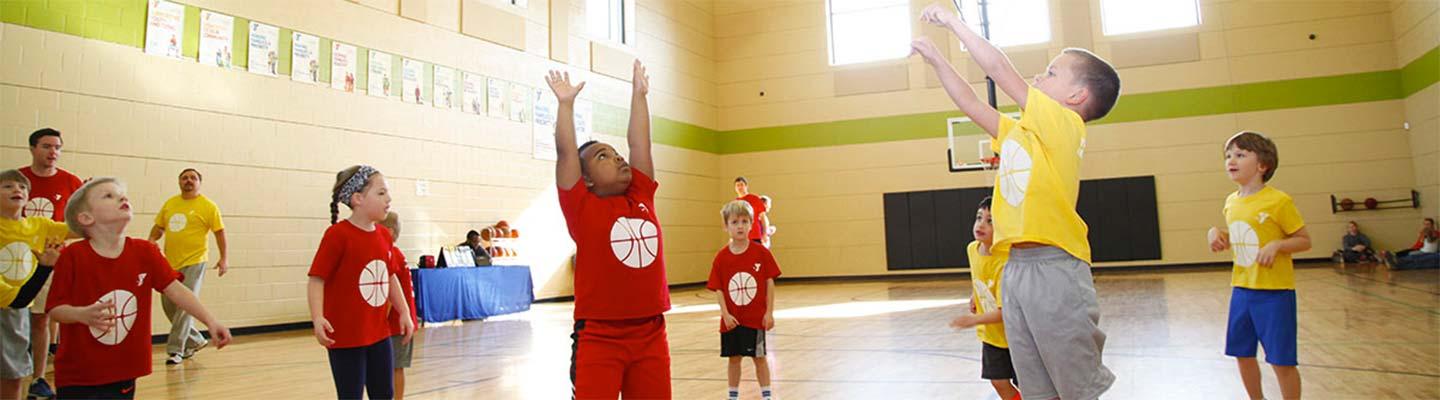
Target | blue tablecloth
(445,294)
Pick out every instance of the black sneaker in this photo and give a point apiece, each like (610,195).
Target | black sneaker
(40,390)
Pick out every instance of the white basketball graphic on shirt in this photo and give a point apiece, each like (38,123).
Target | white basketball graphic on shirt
(38,207)
(177,222)
(16,260)
(124,307)
(742,288)
(375,283)
(1014,172)
(987,300)
(1244,242)
(635,241)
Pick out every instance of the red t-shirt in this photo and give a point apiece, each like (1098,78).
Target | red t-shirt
(48,195)
(619,265)
(402,273)
(93,357)
(355,265)
(757,205)
(741,279)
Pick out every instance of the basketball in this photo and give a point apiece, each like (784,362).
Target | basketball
(634,241)
(1347,204)
(502,224)
(375,283)
(514,233)
(486,234)
(16,261)
(1371,203)
(123,307)
(742,288)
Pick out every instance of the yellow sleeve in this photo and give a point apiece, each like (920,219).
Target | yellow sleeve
(1059,127)
(217,224)
(160,217)
(54,230)
(7,293)
(1288,216)
(1002,131)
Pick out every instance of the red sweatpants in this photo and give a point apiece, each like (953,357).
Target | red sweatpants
(614,357)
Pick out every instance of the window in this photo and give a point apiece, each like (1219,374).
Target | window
(605,20)
(1131,16)
(1012,22)
(868,30)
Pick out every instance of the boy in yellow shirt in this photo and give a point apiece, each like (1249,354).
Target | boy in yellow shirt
(1052,316)
(29,248)
(1263,230)
(985,271)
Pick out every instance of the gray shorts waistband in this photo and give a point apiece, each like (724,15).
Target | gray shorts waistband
(1043,253)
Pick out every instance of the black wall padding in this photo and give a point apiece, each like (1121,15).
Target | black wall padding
(930,229)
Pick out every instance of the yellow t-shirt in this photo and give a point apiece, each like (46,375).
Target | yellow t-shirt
(985,277)
(186,224)
(21,242)
(1255,221)
(1038,181)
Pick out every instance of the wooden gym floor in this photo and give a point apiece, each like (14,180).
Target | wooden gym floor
(1365,333)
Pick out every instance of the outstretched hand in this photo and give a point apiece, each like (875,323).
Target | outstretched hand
(560,84)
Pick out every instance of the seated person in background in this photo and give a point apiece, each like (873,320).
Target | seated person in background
(1424,254)
(1355,246)
(472,240)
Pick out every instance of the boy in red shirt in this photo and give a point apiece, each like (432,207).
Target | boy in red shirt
(744,275)
(100,295)
(759,226)
(401,347)
(620,289)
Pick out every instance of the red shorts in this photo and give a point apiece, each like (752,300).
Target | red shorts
(610,357)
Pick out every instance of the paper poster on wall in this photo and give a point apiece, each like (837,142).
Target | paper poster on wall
(474,94)
(305,58)
(380,74)
(216,33)
(584,117)
(264,49)
(163,29)
(342,67)
(444,90)
(546,107)
(519,96)
(412,73)
(495,98)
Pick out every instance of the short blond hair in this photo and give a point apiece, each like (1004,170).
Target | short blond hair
(80,202)
(392,222)
(14,175)
(734,208)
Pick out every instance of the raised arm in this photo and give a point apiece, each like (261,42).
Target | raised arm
(979,111)
(990,58)
(638,136)
(567,164)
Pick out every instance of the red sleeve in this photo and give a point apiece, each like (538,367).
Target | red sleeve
(406,281)
(769,267)
(757,203)
(714,282)
(642,186)
(571,202)
(75,183)
(62,279)
(327,257)
(161,273)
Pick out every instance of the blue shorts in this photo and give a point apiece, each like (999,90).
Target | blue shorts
(1266,317)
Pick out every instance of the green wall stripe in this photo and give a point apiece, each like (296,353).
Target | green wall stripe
(286,49)
(190,34)
(240,44)
(1420,73)
(326,55)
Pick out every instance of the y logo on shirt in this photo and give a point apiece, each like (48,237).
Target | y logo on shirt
(140,281)
(1264,216)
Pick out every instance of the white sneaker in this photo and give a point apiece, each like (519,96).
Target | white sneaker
(174,359)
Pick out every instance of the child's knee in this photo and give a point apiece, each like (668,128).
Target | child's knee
(736,360)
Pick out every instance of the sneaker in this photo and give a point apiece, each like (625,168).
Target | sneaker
(191,352)
(41,390)
(54,347)
(1337,257)
(174,359)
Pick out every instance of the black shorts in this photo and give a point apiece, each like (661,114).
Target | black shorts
(743,341)
(995,363)
(119,390)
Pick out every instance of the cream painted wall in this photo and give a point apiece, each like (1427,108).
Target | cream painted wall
(828,199)
(269,147)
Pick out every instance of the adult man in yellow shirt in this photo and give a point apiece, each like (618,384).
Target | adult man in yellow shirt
(188,218)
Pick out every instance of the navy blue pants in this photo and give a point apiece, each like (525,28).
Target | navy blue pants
(359,369)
